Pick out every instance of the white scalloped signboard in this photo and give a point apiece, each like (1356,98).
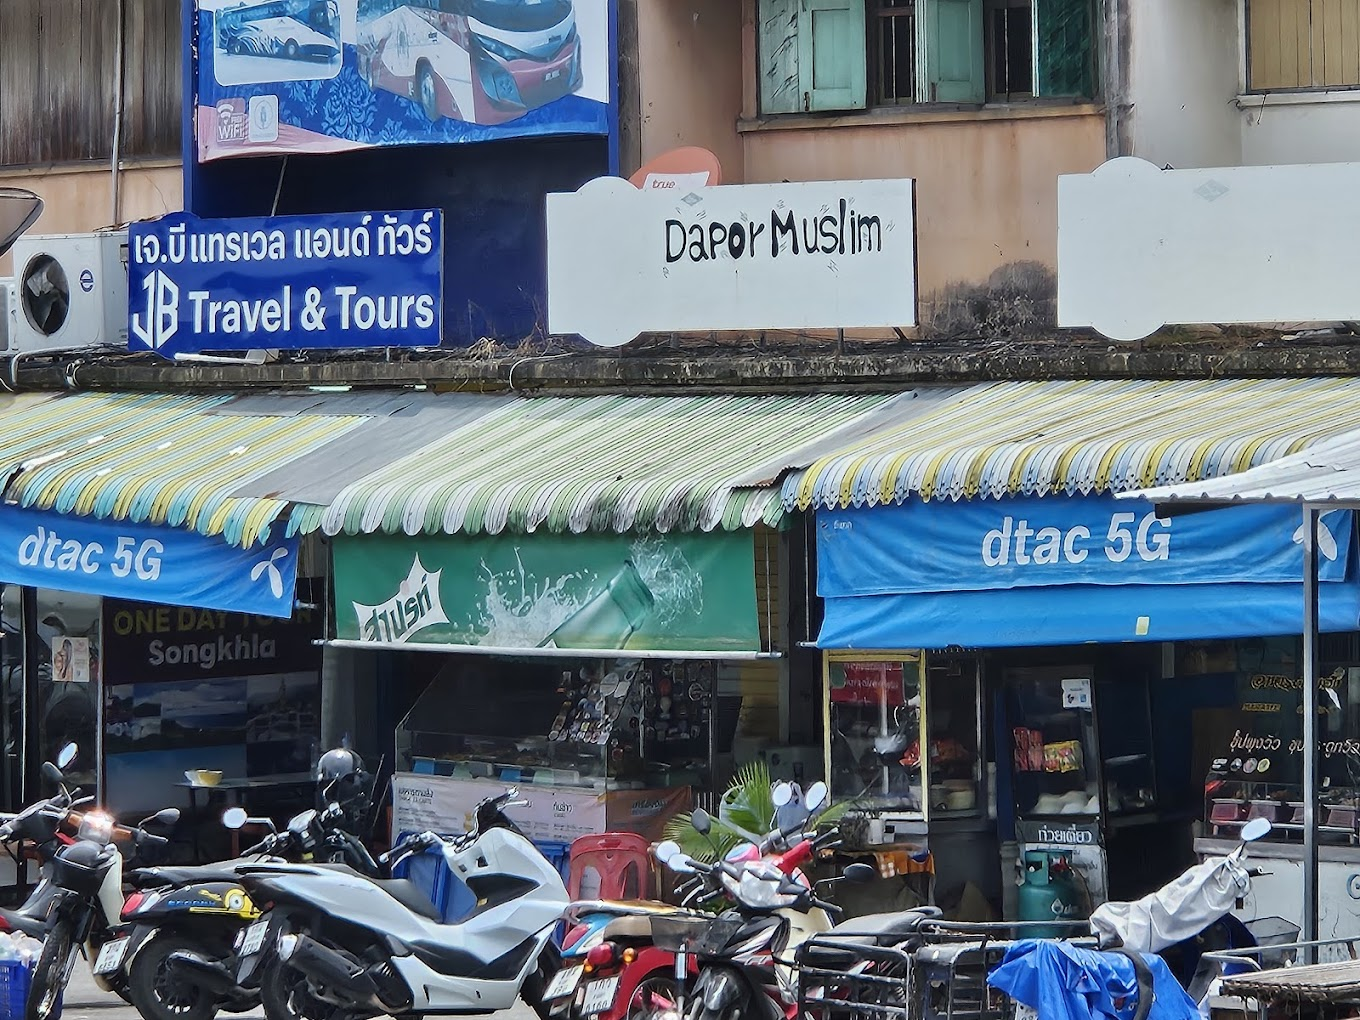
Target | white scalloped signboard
(1140,248)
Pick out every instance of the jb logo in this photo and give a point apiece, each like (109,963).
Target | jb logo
(160,321)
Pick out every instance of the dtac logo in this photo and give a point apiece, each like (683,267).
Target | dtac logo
(160,321)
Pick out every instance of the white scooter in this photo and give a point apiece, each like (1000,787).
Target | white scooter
(358,947)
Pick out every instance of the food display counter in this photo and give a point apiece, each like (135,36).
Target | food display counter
(592,745)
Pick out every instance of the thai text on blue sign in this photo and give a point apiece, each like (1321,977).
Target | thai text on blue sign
(338,280)
(145,563)
(988,544)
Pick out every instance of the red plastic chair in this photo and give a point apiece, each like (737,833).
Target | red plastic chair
(610,866)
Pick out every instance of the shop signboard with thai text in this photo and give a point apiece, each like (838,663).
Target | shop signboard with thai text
(447,805)
(285,282)
(276,77)
(150,563)
(188,689)
(811,255)
(593,591)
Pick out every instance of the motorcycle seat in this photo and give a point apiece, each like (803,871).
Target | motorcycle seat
(410,896)
(629,926)
(835,948)
(151,878)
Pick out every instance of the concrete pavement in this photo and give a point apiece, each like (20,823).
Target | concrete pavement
(85,1001)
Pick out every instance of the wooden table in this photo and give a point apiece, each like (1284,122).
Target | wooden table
(234,790)
(1337,982)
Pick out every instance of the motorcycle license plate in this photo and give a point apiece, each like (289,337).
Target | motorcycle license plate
(564,982)
(111,956)
(599,996)
(254,940)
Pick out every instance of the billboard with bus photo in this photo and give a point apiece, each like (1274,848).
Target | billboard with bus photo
(282,76)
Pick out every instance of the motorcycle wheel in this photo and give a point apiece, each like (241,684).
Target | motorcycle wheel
(549,963)
(284,995)
(155,992)
(642,1007)
(49,976)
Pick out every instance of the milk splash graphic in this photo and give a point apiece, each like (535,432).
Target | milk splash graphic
(521,609)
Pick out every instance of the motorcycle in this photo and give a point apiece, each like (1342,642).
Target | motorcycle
(612,944)
(200,911)
(743,971)
(87,893)
(340,945)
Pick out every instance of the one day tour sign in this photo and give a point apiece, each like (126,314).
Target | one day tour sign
(813,255)
(338,280)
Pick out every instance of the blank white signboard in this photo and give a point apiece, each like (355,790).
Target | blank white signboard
(816,255)
(1140,248)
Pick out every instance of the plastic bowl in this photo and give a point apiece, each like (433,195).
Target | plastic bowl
(203,777)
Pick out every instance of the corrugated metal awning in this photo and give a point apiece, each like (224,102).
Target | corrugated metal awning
(603,463)
(1327,473)
(1077,437)
(155,458)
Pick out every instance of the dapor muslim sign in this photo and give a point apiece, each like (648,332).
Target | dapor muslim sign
(815,255)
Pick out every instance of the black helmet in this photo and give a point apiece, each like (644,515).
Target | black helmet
(341,779)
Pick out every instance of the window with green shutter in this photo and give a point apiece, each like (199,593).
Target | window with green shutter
(839,55)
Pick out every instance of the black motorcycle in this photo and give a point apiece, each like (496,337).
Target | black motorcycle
(182,923)
(87,893)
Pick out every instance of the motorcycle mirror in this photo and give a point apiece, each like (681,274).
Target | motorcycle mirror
(860,874)
(234,818)
(166,818)
(816,796)
(781,794)
(51,773)
(1255,829)
(666,851)
(67,755)
(702,822)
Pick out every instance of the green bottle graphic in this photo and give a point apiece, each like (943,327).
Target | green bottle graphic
(610,618)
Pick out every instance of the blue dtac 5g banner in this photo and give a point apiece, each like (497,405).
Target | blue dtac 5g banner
(145,563)
(998,573)
(338,280)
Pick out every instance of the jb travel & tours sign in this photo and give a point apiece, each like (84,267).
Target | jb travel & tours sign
(294,282)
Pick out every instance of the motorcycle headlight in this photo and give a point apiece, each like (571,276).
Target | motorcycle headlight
(97,827)
(761,887)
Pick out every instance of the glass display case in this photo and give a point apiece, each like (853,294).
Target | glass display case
(881,711)
(1257,770)
(1080,748)
(589,725)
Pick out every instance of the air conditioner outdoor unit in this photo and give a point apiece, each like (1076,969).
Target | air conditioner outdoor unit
(7,310)
(69,291)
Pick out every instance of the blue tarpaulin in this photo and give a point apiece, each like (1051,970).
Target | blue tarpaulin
(1018,572)
(1065,982)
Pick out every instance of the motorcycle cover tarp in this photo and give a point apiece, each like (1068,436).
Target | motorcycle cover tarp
(1066,982)
(1175,912)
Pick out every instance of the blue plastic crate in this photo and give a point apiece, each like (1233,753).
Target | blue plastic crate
(559,856)
(15,981)
(430,872)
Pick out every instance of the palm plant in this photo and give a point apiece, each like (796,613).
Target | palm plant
(748,804)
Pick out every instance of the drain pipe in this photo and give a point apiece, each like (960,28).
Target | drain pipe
(116,157)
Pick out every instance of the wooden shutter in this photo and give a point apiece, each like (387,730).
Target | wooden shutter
(1063,36)
(832,55)
(777,53)
(951,39)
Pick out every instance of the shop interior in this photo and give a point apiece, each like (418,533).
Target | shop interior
(1055,750)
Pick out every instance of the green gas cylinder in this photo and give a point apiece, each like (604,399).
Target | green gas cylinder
(1048,892)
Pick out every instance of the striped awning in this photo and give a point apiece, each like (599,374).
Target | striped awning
(1075,437)
(173,459)
(601,463)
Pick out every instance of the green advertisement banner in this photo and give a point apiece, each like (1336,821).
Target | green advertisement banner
(594,592)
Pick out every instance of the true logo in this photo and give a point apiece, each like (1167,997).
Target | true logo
(412,609)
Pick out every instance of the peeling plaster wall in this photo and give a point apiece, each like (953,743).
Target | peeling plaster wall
(76,199)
